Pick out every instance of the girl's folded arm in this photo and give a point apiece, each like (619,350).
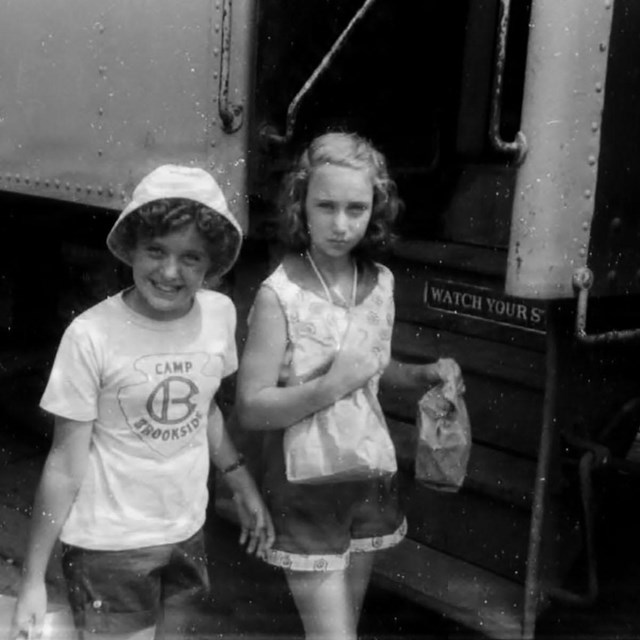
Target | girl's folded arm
(260,402)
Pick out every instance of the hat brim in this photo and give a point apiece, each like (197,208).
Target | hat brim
(119,249)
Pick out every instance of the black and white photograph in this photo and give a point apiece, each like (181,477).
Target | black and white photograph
(319,319)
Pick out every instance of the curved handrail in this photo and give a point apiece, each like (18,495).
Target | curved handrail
(518,147)
(582,282)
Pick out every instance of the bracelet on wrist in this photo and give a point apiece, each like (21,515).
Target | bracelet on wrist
(240,462)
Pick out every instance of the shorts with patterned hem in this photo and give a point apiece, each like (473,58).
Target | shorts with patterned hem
(332,562)
(125,591)
(318,526)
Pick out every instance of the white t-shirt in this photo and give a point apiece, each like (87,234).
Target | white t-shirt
(147,386)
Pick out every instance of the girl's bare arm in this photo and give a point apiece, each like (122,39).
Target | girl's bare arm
(62,476)
(261,403)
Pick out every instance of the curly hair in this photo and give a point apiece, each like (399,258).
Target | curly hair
(162,216)
(344,150)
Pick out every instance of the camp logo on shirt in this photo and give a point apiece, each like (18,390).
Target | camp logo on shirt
(163,408)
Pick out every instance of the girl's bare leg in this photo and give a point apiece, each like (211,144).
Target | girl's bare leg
(358,578)
(324,603)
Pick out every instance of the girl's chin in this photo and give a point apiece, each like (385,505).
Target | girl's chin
(335,250)
(161,306)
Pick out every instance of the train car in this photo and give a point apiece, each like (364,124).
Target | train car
(511,130)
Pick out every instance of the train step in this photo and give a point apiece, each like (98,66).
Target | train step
(468,594)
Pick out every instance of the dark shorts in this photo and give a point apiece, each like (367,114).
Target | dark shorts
(319,526)
(125,591)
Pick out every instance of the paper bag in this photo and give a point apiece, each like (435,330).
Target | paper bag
(347,441)
(444,439)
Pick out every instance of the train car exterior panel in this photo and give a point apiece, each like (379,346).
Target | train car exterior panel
(103,92)
(561,123)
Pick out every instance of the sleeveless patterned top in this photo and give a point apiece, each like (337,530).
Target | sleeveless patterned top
(316,326)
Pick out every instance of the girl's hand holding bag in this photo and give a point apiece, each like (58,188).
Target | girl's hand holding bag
(444,439)
(348,440)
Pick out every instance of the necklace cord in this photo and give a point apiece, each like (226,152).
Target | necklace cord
(325,286)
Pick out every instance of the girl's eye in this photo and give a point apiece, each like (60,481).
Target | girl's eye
(325,205)
(357,210)
(192,260)
(154,252)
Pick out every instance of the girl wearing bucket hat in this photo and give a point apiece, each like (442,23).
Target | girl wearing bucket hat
(133,392)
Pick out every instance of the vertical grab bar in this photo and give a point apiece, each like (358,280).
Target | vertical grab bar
(517,147)
(231,114)
(540,496)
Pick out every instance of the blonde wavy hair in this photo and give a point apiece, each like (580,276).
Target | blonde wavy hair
(344,150)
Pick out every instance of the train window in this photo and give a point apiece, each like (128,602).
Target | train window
(416,78)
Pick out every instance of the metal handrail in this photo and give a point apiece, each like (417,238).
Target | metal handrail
(582,282)
(518,147)
(231,113)
(540,497)
(294,106)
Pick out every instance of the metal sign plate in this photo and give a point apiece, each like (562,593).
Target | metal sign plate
(487,304)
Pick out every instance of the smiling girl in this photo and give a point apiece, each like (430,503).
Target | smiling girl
(133,394)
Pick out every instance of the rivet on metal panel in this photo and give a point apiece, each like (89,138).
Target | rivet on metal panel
(607,4)
(598,87)
(585,226)
(603,46)
(67,185)
(89,188)
(111,191)
(78,188)
(587,193)
(100,111)
(217,27)
(17,177)
(212,143)
(100,152)
(591,159)
(47,183)
(27,180)
(215,75)
(36,181)
(57,183)
(216,51)
(99,191)
(595,126)
(582,252)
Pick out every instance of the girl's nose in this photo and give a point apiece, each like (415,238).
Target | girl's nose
(170,267)
(340,221)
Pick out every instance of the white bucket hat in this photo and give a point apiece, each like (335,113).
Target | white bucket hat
(176,181)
